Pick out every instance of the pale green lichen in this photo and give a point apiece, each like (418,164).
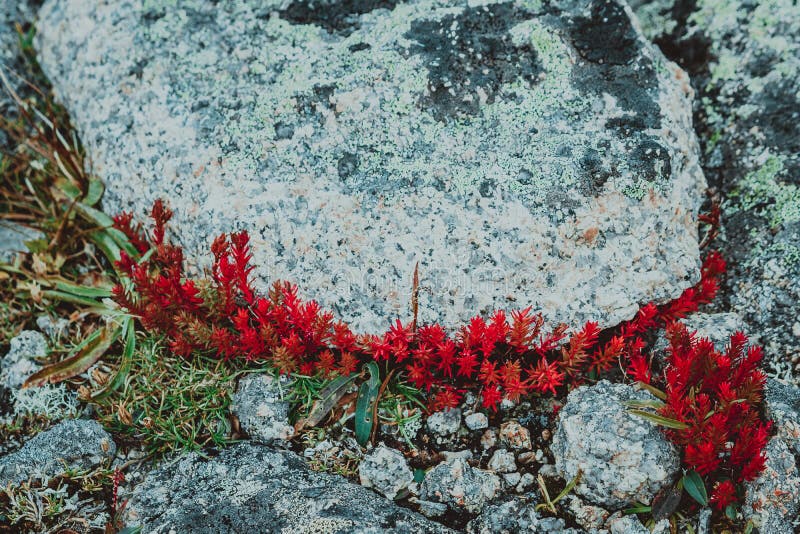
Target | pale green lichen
(763,187)
(53,402)
(385,84)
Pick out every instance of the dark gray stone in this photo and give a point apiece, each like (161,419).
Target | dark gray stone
(13,238)
(386,471)
(251,488)
(21,360)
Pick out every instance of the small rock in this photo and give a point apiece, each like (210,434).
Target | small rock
(445,423)
(261,410)
(625,524)
(512,479)
(502,461)
(588,516)
(548,471)
(20,362)
(459,485)
(476,421)
(386,471)
(514,435)
(771,500)
(526,481)
(76,444)
(430,508)
(527,457)
(661,527)
(489,439)
(717,327)
(622,458)
(13,238)
(515,516)
(450,456)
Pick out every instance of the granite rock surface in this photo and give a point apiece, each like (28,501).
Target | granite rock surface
(250,485)
(744,60)
(74,444)
(262,411)
(524,153)
(622,458)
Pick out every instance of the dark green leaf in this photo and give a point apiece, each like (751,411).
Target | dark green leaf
(106,244)
(61,296)
(419,475)
(36,245)
(82,291)
(367,397)
(694,486)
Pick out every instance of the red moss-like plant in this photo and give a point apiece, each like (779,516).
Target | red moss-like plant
(714,398)
(504,356)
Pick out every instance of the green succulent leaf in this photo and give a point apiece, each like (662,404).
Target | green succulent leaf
(694,486)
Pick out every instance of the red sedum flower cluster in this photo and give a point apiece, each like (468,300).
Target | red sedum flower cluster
(504,356)
(716,395)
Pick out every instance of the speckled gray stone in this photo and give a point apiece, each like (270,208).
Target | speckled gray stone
(12,64)
(20,360)
(386,471)
(523,154)
(261,409)
(502,461)
(516,516)
(625,524)
(744,58)
(460,486)
(718,327)
(622,458)
(782,403)
(77,444)
(13,238)
(771,500)
(445,423)
(250,487)
(476,421)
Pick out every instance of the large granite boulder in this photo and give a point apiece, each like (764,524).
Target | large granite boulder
(251,487)
(524,153)
(744,57)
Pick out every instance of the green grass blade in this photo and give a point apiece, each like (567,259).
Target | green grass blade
(660,420)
